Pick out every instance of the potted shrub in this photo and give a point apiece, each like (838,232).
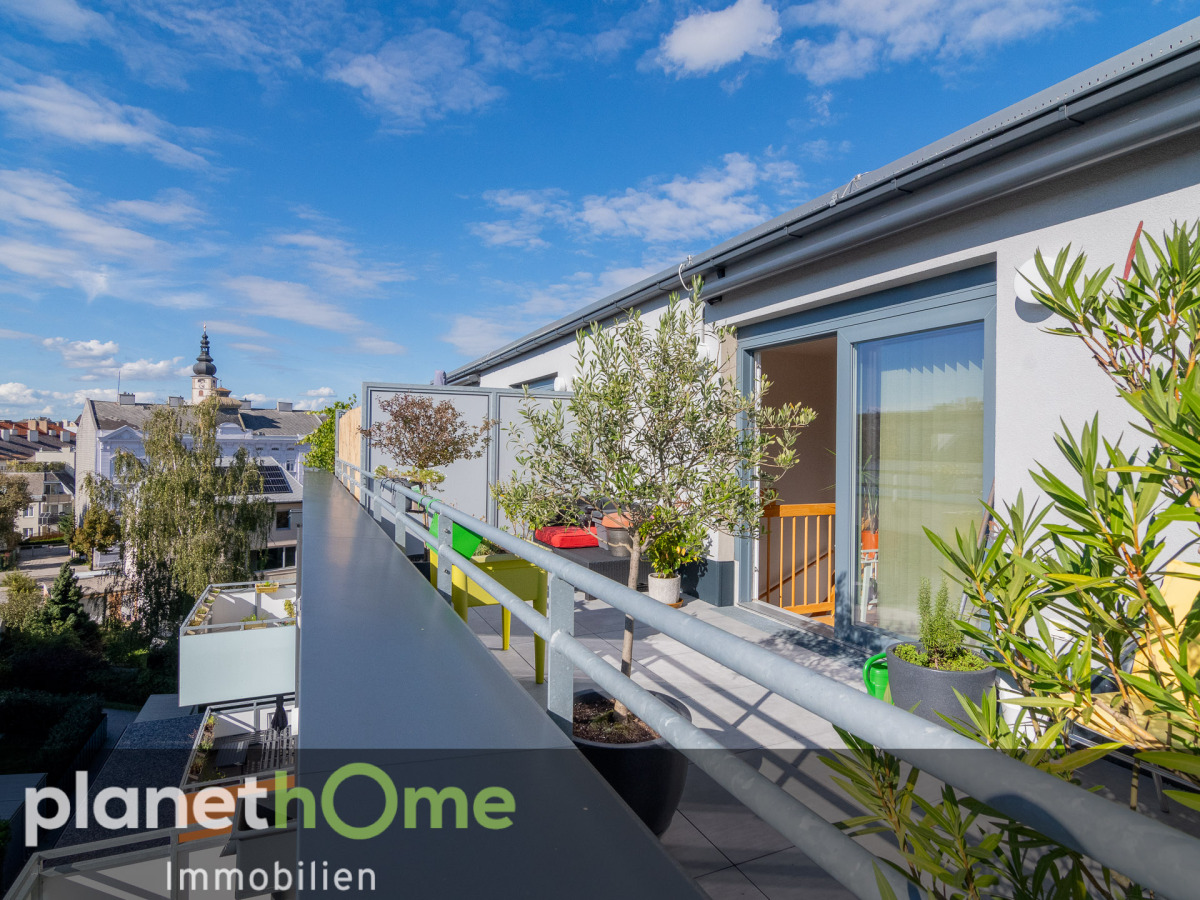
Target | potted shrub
(670,551)
(645,771)
(422,436)
(923,678)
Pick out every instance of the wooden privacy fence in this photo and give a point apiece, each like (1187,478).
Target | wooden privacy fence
(797,543)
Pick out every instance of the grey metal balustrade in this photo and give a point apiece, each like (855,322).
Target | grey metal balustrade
(1155,855)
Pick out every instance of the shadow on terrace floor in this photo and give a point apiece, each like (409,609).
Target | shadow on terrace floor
(727,849)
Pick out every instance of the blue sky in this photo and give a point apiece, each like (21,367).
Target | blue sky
(348,193)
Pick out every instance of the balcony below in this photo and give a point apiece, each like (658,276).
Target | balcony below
(239,641)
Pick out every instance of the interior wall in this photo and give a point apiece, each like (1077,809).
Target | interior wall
(807,373)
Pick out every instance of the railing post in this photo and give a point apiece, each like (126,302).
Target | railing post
(445,573)
(560,677)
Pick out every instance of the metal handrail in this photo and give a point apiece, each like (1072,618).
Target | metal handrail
(1155,855)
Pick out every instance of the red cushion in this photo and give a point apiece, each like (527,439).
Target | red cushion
(567,536)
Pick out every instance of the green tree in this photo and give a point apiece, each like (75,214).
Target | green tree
(188,517)
(100,528)
(322,443)
(66,525)
(658,430)
(23,599)
(63,609)
(422,435)
(14,497)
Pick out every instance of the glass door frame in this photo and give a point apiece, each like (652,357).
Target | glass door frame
(958,298)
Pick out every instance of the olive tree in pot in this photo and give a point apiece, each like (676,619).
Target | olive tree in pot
(925,678)
(664,434)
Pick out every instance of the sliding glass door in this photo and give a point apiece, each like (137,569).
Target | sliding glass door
(919,446)
(913,437)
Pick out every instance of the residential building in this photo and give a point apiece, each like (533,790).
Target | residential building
(898,306)
(275,437)
(51,496)
(37,440)
(107,427)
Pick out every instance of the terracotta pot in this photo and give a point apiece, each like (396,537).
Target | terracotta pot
(666,590)
(869,540)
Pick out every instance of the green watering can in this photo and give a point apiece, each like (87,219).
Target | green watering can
(875,675)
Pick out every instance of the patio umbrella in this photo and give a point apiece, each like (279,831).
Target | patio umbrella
(279,721)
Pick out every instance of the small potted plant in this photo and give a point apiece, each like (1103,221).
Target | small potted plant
(923,678)
(668,551)
(868,480)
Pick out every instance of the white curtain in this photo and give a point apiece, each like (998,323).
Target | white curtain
(920,425)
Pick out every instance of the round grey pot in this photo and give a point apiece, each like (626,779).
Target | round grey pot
(931,691)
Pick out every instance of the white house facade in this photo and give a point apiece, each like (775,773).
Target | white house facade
(896,306)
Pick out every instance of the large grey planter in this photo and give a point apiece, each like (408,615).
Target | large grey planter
(648,776)
(931,691)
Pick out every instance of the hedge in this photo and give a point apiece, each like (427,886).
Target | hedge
(74,718)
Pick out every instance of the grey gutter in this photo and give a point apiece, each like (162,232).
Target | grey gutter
(1150,67)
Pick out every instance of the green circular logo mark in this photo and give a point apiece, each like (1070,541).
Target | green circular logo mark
(390,801)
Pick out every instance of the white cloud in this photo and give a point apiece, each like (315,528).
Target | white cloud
(173,207)
(291,301)
(378,346)
(716,203)
(532,210)
(51,107)
(31,199)
(844,57)
(264,38)
(337,263)
(60,20)
(261,349)
(255,398)
(144,369)
(88,354)
(321,392)
(217,326)
(870,32)
(707,41)
(474,335)
(100,359)
(14,393)
(419,77)
(52,264)
(9,335)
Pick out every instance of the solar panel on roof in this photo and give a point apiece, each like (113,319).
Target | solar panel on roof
(274,481)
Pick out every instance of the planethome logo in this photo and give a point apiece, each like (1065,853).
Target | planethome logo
(491,808)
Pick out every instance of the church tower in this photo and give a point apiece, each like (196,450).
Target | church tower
(204,373)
